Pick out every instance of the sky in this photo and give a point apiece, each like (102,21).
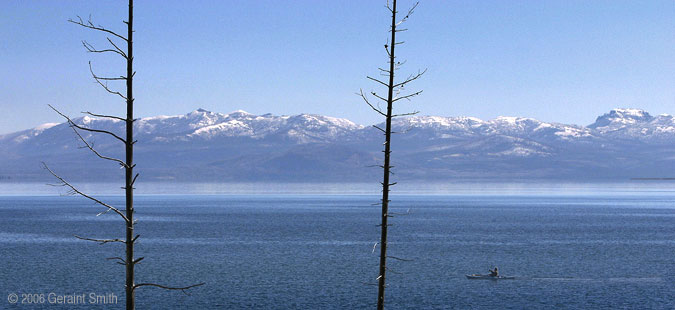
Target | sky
(562,61)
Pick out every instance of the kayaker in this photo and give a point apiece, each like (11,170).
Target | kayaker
(495,272)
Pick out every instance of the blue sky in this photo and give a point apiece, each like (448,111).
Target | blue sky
(566,61)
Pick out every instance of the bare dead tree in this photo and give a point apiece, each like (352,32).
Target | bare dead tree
(394,94)
(127,164)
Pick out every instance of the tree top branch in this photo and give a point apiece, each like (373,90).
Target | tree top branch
(90,25)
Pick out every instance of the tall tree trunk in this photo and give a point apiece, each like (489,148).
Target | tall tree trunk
(129,171)
(385,179)
(127,163)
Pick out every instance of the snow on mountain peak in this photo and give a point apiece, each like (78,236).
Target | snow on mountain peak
(302,127)
(513,120)
(439,122)
(239,112)
(33,132)
(200,112)
(622,118)
(507,119)
(314,120)
(45,126)
(631,112)
(636,124)
(305,128)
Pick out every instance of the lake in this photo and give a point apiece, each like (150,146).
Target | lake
(570,246)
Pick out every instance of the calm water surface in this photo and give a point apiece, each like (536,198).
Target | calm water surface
(597,250)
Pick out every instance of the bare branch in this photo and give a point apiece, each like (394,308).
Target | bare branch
(118,49)
(389,7)
(90,25)
(410,12)
(102,78)
(120,261)
(400,259)
(103,212)
(407,96)
(70,121)
(376,80)
(412,9)
(169,287)
(369,104)
(411,78)
(378,128)
(377,96)
(119,161)
(90,48)
(101,241)
(76,191)
(105,116)
(134,180)
(406,114)
(105,86)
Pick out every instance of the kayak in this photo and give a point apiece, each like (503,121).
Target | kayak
(487,277)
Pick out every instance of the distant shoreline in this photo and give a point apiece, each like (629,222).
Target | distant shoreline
(554,188)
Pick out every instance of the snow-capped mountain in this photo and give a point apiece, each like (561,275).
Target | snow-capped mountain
(204,145)
(206,125)
(456,127)
(636,124)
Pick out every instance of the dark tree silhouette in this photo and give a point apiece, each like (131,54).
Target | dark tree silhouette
(127,164)
(394,94)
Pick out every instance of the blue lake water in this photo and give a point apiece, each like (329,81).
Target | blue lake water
(594,249)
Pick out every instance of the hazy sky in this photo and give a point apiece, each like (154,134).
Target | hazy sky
(566,61)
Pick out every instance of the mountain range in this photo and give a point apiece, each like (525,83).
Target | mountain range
(239,146)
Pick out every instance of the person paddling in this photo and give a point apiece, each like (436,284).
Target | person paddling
(495,272)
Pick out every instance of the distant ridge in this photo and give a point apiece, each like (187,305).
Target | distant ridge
(240,146)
